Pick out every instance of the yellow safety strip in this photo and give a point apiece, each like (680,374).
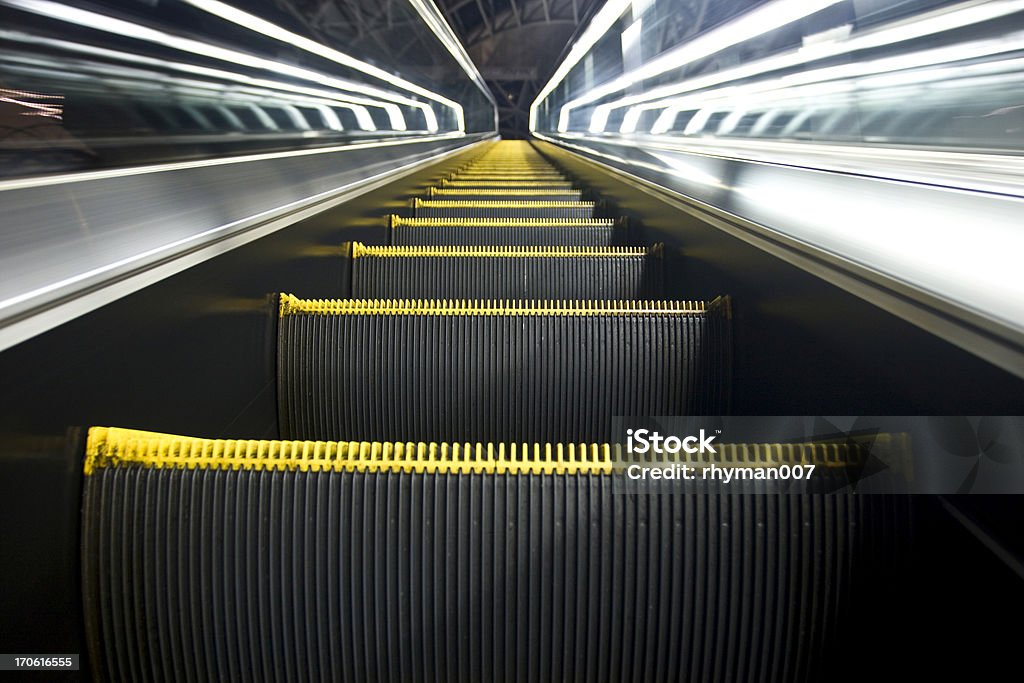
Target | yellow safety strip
(488,204)
(292,305)
(111,447)
(510,178)
(509,169)
(445,191)
(400,222)
(510,160)
(496,173)
(114,447)
(507,183)
(520,181)
(359,250)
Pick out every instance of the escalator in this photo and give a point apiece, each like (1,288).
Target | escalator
(306,375)
(441,504)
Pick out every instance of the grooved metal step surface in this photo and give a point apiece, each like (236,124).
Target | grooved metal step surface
(505,272)
(494,371)
(298,561)
(447,510)
(522,232)
(438,208)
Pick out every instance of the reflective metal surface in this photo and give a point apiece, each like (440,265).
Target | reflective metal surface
(73,242)
(949,256)
(879,138)
(109,84)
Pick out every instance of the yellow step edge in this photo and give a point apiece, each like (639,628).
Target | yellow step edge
(487,204)
(110,448)
(360,250)
(507,183)
(400,222)
(500,192)
(507,174)
(511,177)
(292,305)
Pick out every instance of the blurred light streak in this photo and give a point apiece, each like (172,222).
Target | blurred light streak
(757,22)
(120,27)
(436,23)
(907,69)
(946,19)
(598,26)
(36,104)
(270,30)
(353,103)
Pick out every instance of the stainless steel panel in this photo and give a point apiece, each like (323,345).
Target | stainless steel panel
(950,255)
(66,238)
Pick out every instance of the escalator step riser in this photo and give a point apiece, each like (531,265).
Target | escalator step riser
(499,194)
(510,164)
(470,173)
(509,168)
(456,371)
(270,571)
(505,273)
(483,236)
(500,209)
(523,175)
(498,184)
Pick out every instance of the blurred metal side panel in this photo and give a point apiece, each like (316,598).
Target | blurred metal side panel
(72,243)
(943,258)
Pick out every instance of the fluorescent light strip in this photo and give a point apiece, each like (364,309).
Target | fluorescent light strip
(757,22)
(266,28)
(599,25)
(120,27)
(435,21)
(875,70)
(933,23)
(352,102)
(119,76)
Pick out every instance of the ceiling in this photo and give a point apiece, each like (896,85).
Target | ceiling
(516,45)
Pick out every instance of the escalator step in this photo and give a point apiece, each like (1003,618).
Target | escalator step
(509,162)
(505,272)
(299,561)
(508,175)
(492,194)
(525,232)
(427,208)
(494,371)
(496,184)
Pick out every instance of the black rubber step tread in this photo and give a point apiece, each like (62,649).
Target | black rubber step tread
(505,272)
(246,560)
(494,371)
(503,232)
(427,208)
